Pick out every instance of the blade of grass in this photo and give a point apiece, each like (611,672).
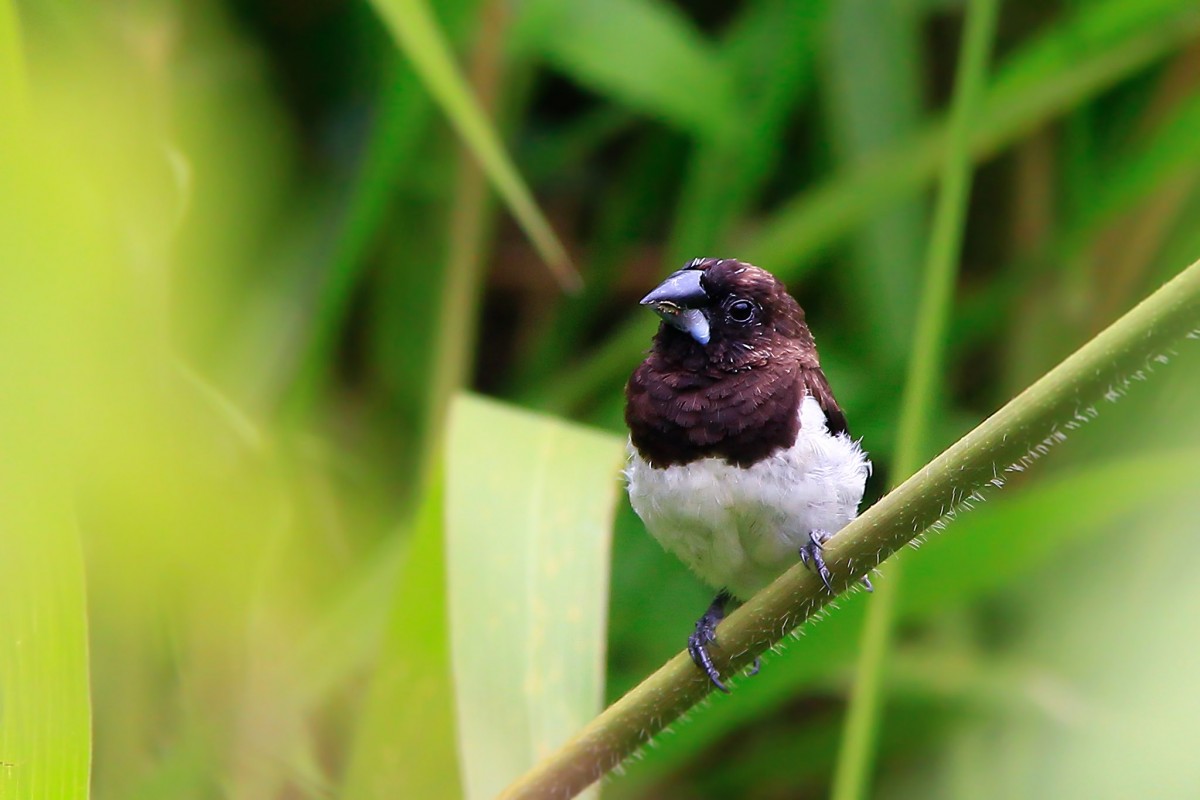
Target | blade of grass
(45,699)
(1070,64)
(920,402)
(417,34)
(630,205)
(528,521)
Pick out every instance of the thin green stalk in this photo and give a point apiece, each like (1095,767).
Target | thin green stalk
(1126,355)
(918,405)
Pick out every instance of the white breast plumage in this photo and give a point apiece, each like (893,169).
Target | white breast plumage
(738,528)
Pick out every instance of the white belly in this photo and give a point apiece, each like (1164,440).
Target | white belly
(739,528)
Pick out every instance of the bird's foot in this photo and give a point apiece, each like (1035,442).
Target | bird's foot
(706,634)
(811,556)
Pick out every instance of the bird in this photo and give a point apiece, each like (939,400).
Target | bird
(740,459)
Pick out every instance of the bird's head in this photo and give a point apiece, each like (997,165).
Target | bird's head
(732,313)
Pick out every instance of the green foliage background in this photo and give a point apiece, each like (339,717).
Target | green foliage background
(251,545)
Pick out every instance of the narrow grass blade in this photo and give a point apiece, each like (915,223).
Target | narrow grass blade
(416,33)
(45,699)
(528,523)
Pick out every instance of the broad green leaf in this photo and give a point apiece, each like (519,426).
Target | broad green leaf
(404,746)
(642,52)
(412,25)
(529,509)
(45,700)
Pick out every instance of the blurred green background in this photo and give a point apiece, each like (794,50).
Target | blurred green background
(250,547)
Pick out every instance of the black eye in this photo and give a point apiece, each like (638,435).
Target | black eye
(741,311)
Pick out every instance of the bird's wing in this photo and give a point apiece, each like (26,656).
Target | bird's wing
(816,385)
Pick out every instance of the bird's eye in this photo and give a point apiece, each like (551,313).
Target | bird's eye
(741,311)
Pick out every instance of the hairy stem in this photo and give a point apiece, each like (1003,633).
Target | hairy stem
(1123,356)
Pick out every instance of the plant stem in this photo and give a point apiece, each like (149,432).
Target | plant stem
(857,754)
(1125,355)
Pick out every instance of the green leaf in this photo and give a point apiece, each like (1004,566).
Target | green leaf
(45,697)
(416,33)
(642,52)
(529,508)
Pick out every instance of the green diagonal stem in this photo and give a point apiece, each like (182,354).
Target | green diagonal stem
(1127,355)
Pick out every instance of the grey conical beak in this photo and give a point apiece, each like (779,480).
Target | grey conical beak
(679,301)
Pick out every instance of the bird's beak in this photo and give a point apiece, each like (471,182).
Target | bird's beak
(678,301)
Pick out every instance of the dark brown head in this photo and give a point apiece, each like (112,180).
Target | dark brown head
(730,364)
(729,315)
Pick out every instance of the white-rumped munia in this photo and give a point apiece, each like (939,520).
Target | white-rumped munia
(740,458)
